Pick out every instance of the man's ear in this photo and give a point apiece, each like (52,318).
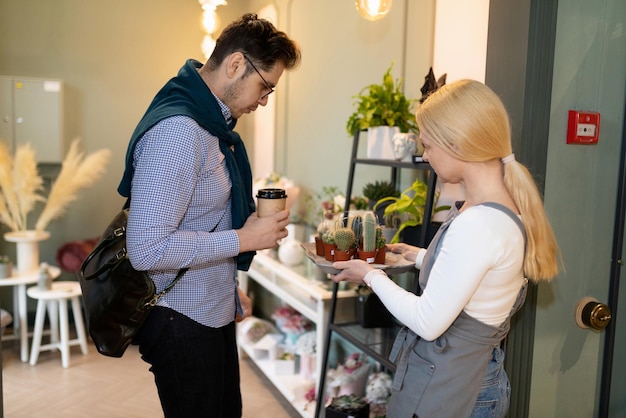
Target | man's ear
(235,65)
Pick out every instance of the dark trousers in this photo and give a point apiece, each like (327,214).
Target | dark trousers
(196,368)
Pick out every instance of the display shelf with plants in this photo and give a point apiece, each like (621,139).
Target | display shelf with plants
(376,342)
(298,288)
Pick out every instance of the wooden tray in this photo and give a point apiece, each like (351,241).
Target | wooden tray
(394,263)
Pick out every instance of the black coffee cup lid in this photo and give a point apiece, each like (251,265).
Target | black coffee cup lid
(271,194)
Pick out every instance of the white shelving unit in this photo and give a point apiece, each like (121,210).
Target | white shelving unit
(297,287)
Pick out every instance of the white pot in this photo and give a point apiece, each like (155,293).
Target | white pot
(380,142)
(27,247)
(291,253)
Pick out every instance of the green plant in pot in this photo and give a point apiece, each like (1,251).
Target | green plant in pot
(378,190)
(382,105)
(368,252)
(345,241)
(409,207)
(348,406)
(356,223)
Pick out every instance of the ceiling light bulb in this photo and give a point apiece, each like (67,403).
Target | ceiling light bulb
(373,9)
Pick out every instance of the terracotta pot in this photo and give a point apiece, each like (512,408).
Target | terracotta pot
(367,256)
(380,255)
(344,255)
(329,251)
(319,246)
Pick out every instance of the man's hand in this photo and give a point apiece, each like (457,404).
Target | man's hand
(246,305)
(262,233)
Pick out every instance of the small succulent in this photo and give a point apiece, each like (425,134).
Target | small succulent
(321,228)
(380,189)
(348,403)
(328,237)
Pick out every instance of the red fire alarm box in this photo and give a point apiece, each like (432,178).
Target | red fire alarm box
(583,127)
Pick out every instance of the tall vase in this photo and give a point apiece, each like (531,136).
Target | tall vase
(27,248)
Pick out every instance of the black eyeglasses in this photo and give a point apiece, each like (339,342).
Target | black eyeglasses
(271,89)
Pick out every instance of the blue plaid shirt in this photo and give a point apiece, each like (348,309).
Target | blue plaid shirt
(180,216)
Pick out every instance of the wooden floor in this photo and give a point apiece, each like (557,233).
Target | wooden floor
(96,386)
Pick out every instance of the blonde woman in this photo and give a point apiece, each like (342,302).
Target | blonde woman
(474,274)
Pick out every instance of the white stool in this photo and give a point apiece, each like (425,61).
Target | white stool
(55,300)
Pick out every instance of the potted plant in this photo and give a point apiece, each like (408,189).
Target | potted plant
(409,207)
(368,253)
(382,109)
(345,241)
(328,238)
(345,406)
(379,189)
(381,249)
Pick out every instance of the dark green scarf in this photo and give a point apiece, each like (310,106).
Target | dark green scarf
(187,94)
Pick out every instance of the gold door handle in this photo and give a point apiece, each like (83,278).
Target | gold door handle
(592,314)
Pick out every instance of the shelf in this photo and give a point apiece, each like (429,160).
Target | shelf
(298,287)
(374,342)
(377,342)
(393,163)
(294,286)
(293,387)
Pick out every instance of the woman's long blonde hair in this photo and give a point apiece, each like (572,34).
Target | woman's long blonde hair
(469,121)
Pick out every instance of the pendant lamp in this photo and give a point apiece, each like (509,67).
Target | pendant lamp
(373,9)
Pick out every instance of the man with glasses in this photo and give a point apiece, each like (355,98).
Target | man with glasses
(191,206)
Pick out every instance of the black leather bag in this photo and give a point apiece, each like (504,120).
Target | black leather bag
(117,298)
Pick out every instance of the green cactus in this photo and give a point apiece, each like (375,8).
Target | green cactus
(369,232)
(380,238)
(357,227)
(344,238)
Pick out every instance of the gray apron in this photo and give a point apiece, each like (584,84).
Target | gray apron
(442,378)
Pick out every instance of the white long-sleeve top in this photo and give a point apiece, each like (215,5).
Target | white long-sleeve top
(479,269)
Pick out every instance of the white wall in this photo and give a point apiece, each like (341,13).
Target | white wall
(461,39)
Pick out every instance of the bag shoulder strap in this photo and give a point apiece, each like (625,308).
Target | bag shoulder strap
(152,302)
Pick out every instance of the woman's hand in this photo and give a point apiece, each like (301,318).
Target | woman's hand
(352,270)
(409,252)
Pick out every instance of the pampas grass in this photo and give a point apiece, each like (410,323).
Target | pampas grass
(20,184)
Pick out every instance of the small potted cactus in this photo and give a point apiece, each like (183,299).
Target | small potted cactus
(328,237)
(381,246)
(319,243)
(368,253)
(345,241)
(356,223)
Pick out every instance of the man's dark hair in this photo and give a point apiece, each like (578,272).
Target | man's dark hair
(259,40)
